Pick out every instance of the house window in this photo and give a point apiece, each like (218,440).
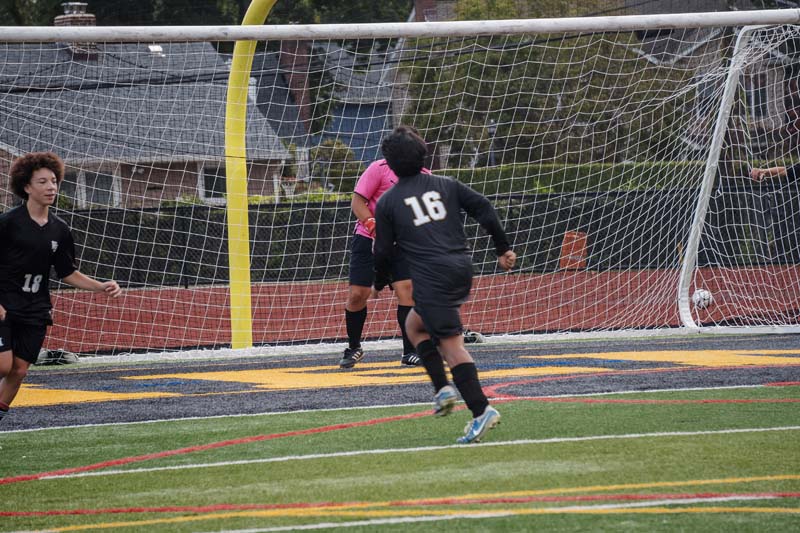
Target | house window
(756,88)
(211,183)
(86,189)
(99,189)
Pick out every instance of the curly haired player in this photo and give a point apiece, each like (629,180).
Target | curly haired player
(32,240)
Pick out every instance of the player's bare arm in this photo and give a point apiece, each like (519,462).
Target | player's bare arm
(81,281)
(759,174)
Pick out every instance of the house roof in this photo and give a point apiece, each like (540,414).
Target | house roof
(274,99)
(358,79)
(132,103)
(670,46)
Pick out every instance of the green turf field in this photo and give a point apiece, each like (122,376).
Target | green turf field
(699,460)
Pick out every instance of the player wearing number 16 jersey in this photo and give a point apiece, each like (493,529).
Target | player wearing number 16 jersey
(32,239)
(422,214)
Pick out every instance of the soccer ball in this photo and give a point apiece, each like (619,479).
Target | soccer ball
(702,299)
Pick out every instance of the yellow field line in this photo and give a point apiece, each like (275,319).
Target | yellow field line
(628,486)
(331,512)
(362,509)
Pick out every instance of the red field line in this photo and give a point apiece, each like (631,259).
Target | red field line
(404,503)
(210,446)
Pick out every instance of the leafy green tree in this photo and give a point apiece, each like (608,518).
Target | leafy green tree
(554,98)
(29,12)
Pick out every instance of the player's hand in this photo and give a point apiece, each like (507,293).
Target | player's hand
(369,225)
(111,288)
(507,260)
(758,174)
(2,313)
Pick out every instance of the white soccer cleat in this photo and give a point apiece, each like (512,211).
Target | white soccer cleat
(480,425)
(444,401)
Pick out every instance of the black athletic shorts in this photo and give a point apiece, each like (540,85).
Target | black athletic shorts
(24,340)
(362,263)
(441,322)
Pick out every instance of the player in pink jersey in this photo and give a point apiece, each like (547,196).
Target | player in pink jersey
(376,180)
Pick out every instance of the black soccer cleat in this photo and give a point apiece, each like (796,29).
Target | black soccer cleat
(351,357)
(411,359)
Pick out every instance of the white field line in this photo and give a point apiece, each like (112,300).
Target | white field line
(366,407)
(500,514)
(357,453)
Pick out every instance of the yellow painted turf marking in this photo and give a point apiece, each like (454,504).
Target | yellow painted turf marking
(322,377)
(35,396)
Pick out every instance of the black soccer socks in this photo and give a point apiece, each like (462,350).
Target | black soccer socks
(3,409)
(465,378)
(433,362)
(354,320)
(402,314)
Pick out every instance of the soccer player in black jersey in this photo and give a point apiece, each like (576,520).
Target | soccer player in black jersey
(32,239)
(422,215)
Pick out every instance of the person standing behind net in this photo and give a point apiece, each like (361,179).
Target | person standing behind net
(375,181)
(32,239)
(422,213)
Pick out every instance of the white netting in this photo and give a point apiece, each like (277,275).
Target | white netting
(749,249)
(592,144)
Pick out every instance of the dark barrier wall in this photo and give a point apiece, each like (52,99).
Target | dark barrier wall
(187,245)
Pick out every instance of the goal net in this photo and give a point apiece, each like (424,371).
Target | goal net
(617,151)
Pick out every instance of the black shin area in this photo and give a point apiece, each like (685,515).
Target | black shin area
(433,362)
(465,378)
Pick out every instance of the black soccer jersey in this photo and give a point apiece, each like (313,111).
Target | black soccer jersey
(423,215)
(27,251)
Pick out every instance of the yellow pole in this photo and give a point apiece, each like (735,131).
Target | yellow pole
(236,180)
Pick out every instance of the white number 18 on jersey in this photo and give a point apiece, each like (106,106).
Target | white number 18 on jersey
(433,208)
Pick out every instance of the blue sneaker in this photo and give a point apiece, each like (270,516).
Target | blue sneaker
(480,425)
(444,401)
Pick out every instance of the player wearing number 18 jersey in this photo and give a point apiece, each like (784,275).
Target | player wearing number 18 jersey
(32,239)
(28,251)
(422,215)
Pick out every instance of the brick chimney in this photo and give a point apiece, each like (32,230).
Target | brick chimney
(75,15)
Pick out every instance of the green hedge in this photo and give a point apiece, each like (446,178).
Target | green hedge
(558,178)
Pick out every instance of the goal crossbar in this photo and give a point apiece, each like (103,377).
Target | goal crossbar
(397,30)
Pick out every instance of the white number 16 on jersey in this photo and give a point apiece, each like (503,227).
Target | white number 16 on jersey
(432,202)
